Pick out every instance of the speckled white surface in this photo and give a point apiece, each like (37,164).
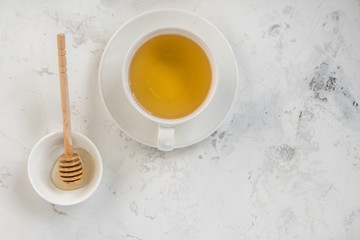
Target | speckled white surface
(284,165)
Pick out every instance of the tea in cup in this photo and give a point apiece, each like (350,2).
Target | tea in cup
(169,76)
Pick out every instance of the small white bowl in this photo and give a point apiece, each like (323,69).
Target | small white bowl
(42,159)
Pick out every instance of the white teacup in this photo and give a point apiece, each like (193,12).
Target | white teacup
(166,129)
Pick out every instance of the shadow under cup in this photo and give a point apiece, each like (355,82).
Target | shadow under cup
(169,76)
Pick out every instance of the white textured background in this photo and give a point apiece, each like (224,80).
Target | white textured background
(285,165)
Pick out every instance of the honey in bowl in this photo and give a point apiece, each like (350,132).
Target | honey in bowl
(170,76)
(88,172)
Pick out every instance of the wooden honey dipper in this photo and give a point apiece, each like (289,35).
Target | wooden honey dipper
(70,166)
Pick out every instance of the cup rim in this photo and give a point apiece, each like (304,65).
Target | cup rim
(133,49)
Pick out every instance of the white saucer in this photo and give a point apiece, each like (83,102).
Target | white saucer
(127,117)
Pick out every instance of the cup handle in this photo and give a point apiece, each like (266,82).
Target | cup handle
(165,139)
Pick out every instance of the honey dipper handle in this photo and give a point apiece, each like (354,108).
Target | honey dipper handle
(64,92)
